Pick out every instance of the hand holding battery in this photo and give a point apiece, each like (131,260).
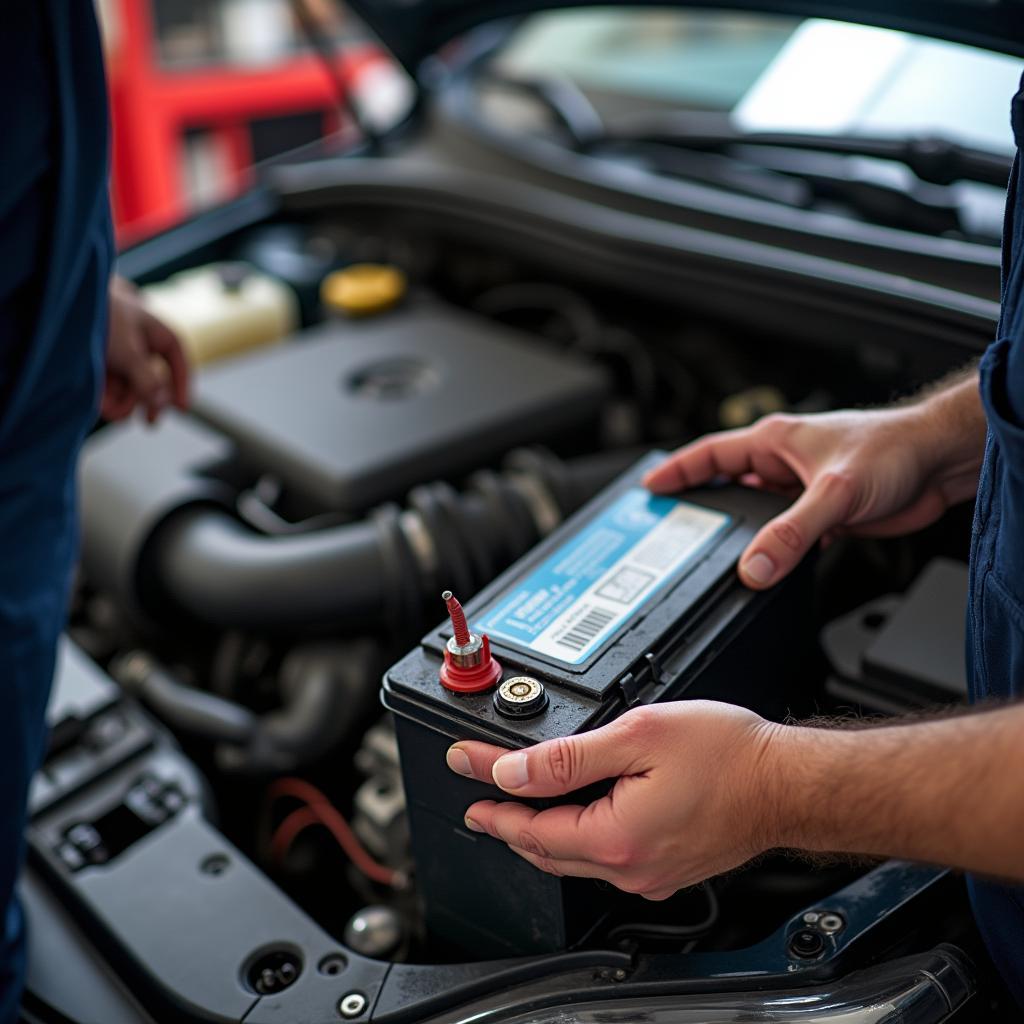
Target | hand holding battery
(693,796)
(869,473)
(146,366)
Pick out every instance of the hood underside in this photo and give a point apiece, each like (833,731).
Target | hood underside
(415,29)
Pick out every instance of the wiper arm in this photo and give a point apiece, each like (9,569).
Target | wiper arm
(584,130)
(933,159)
(795,169)
(806,181)
(564,100)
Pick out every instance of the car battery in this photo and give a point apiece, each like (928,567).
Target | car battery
(633,600)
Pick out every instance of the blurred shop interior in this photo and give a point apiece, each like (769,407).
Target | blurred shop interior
(203,90)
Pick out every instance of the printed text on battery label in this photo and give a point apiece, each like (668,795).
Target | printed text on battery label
(571,603)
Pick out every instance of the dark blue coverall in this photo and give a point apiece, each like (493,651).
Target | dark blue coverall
(995,616)
(55,258)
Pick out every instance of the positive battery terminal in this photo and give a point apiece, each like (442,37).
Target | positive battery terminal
(468,664)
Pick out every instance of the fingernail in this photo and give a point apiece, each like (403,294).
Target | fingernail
(459,762)
(472,825)
(759,568)
(510,771)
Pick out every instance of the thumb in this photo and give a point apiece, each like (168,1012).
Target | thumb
(781,544)
(566,764)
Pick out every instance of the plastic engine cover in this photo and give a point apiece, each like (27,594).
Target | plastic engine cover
(355,412)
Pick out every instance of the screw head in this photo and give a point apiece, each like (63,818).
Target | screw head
(215,864)
(831,923)
(352,1005)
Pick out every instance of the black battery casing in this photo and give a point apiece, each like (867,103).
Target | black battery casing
(705,635)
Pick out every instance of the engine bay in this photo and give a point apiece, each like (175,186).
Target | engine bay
(252,568)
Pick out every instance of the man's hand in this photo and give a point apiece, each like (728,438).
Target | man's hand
(146,366)
(873,473)
(692,797)
(702,787)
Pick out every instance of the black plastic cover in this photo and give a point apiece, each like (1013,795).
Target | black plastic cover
(354,412)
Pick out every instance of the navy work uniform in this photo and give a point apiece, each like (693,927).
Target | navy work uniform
(995,626)
(55,257)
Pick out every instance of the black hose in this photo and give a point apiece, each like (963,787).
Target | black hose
(215,569)
(325,690)
(223,573)
(184,708)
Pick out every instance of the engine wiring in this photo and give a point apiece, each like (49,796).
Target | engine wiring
(316,810)
(653,930)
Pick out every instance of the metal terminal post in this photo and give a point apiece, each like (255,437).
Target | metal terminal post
(466,648)
(459,625)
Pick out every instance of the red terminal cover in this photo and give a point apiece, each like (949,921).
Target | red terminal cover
(477,678)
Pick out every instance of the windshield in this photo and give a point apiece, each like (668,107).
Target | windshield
(772,73)
(876,125)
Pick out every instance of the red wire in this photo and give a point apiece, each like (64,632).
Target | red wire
(318,810)
(288,831)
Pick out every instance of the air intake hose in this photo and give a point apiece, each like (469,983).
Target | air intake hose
(210,566)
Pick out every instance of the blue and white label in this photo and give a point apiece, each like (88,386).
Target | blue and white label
(576,599)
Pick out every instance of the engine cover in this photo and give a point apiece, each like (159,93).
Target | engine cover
(355,412)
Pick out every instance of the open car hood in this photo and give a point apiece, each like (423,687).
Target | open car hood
(415,29)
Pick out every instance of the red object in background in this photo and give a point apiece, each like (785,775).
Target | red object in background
(154,107)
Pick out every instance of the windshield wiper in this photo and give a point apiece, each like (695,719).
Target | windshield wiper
(907,183)
(932,158)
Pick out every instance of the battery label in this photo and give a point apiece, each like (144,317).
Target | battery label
(571,603)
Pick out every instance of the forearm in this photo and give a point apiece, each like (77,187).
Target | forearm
(950,420)
(947,792)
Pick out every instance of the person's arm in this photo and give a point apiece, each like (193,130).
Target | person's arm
(867,472)
(702,787)
(947,792)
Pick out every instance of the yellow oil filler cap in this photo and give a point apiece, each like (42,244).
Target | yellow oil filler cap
(363,289)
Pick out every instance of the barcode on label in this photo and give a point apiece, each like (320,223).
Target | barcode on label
(586,629)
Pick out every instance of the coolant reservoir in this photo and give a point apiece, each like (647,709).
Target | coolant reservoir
(223,309)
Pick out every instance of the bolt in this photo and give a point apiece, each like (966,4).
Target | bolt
(831,923)
(806,945)
(215,864)
(811,917)
(333,963)
(459,625)
(619,975)
(352,1005)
